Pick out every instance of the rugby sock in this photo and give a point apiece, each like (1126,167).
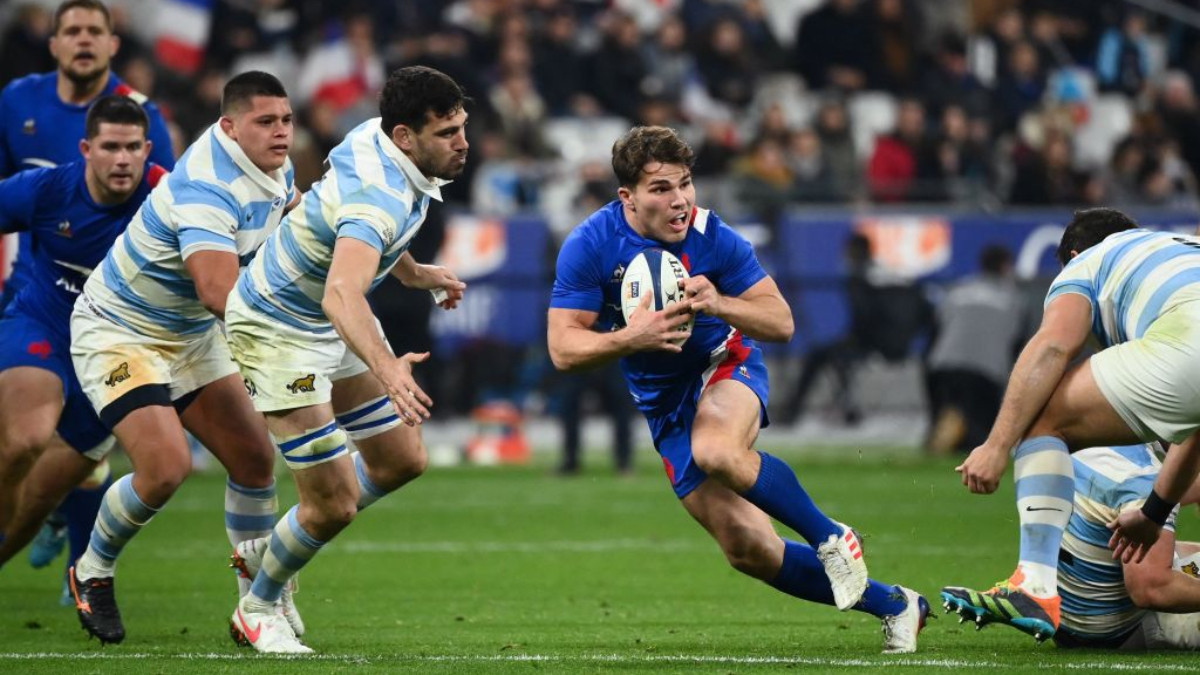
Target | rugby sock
(122,515)
(803,576)
(778,493)
(249,514)
(290,549)
(1045,482)
(368,492)
(80,509)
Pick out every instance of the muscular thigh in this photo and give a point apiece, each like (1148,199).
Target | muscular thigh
(31,400)
(223,419)
(1080,412)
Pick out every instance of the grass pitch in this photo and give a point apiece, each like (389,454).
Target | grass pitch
(512,570)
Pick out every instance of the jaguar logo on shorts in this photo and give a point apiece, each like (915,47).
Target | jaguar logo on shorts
(118,375)
(1191,569)
(251,390)
(304,384)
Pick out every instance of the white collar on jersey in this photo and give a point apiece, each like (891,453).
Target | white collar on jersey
(431,187)
(274,182)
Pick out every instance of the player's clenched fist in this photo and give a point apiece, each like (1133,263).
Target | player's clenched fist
(982,469)
(702,295)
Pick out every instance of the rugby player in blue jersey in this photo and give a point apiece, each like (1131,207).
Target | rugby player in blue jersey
(72,212)
(705,400)
(41,123)
(149,351)
(1138,293)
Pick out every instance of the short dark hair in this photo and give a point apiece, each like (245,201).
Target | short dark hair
(995,259)
(89,5)
(115,109)
(1090,227)
(642,145)
(412,92)
(241,88)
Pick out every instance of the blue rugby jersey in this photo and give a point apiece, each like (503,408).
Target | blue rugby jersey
(216,199)
(371,192)
(70,231)
(588,277)
(1132,278)
(38,129)
(1095,602)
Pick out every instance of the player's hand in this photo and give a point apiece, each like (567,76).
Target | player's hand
(1133,536)
(446,287)
(650,330)
(410,402)
(982,469)
(702,295)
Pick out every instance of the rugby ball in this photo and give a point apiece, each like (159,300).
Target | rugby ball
(657,272)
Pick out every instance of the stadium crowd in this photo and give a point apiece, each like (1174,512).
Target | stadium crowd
(981,103)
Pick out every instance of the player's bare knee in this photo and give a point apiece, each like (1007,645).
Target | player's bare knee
(23,443)
(254,469)
(748,555)
(155,486)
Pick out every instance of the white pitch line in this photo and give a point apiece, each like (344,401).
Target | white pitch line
(905,662)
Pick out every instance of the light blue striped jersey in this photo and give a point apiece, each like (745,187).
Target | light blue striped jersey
(1108,481)
(371,192)
(1132,278)
(216,199)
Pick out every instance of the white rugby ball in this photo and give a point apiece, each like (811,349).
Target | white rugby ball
(657,272)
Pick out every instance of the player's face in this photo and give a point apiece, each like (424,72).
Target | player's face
(263,130)
(660,206)
(116,159)
(83,45)
(439,150)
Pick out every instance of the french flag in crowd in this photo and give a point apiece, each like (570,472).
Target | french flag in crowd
(340,71)
(182,30)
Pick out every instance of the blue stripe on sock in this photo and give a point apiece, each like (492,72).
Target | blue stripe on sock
(100,547)
(350,417)
(299,532)
(111,523)
(1039,444)
(131,502)
(256,493)
(360,469)
(1040,543)
(288,446)
(1048,484)
(249,523)
(288,559)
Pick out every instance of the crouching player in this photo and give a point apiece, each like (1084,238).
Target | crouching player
(706,400)
(1151,604)
(72,213)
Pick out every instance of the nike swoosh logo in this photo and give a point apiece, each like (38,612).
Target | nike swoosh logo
(252,636)
(85,271)
(1042,508)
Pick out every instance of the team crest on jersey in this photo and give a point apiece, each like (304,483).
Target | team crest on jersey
(304,384)
(743,371)
(30,127)
(1191,569)
(251,389)
(118,374)
(277,203)
(618,274)
(64,229)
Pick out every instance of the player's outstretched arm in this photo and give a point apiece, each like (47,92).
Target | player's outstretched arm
(575,346)
(1154,585)
(215,273)
(1135,531)
(760,312)
(1065,327)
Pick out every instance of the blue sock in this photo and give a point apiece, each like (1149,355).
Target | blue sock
(79,509)
(803,576)
(778,493)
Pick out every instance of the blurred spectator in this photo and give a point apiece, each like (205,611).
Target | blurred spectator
(886,316)
(345,70)
(558,66)
(1121,179)
(727,66)
(1176,106)
(963,159)
(989,50)
(617,69)
(894,23)
(903,166)
(948,80)
(519,108)
(607,384)
(23,45)
(763,181)
(1047,178)
(669,63)
(837,149)
(834,48)
(204,105)
(980,325)
(813,180)
(1020,87)
(1123,61)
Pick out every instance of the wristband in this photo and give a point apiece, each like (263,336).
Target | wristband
(1157,509)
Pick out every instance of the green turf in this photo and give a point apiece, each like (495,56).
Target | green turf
(513,570)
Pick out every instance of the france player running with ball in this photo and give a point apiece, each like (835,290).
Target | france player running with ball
(706,398)
(313,355)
